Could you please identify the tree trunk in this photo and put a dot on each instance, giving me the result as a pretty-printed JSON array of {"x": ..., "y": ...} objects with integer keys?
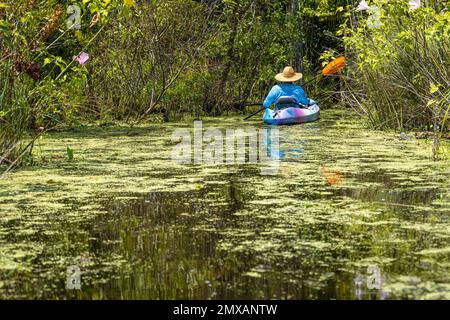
[{"x": 296, "y": 40}]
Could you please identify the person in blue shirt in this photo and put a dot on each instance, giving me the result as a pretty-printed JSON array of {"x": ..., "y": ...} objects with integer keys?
[{"x": 286, "y": 89}]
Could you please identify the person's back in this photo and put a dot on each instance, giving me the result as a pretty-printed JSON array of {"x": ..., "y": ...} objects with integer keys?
[{"x": 286, "y": 90}]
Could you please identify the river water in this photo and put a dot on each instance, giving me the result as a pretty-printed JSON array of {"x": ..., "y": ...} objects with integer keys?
[{"x": 349, "y": 213}]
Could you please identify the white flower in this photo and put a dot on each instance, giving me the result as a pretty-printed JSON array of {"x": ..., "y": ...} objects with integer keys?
[
  {"x": 414, "y": 4},
  {"x": 363, "y": 6},
  {"x": 374, "y": 19}
]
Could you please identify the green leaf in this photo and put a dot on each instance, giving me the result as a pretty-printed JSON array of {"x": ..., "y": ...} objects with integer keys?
[
  {"x": 93, "y": 8},
  {"x": 434, "y": 88},
  {"x": 69, "y": 153},
  {"x": 126, "y": 12},
  {"x": 128, "y": 3}
]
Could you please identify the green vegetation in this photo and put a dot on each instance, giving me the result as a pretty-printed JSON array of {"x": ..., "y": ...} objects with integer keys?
[
  {"x": 401, "y": 74},
  {"x": 91, "y": 91},
  {"x": 164, "y": 59}
]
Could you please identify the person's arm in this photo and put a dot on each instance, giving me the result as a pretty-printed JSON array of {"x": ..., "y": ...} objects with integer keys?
[
  {"x": 301, "y": 97},
  {"x": 271, "y": 97}
]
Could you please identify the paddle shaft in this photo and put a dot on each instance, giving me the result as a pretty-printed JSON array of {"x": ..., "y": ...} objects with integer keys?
[
  {"x": 313, "y": 79},
  {"x": 254, "y": 113},
  {"x": 334, "y": 71}
]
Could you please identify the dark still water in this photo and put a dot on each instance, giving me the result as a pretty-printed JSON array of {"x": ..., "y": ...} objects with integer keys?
[{"x": 351, "y": 214}]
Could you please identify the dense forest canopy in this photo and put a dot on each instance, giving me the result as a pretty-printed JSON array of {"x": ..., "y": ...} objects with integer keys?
[{"x": 65, "y": 62}]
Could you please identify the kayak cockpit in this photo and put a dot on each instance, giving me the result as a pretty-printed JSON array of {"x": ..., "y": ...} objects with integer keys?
[{"x": 290, "y": 112}]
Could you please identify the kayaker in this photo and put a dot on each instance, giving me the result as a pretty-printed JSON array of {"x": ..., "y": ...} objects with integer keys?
[{"x": 286, "y": 88}]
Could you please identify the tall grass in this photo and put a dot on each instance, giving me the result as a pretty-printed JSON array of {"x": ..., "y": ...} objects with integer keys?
[{"x": 400, "y": 78}]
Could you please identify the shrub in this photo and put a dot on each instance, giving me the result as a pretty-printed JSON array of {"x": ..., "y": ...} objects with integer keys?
[{"x": 400, "y": 74}]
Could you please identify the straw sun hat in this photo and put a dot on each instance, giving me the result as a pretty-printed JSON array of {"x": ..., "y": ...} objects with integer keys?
[{"x": 288, "y": 75}]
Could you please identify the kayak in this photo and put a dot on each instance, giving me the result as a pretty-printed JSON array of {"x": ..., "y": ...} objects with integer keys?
[{"x": 292, "y": 115}]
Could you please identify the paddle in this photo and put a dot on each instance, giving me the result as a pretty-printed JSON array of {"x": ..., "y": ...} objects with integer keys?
[
  {"x": 254, "y": 113},
  {"x": 330, "y": 69}
]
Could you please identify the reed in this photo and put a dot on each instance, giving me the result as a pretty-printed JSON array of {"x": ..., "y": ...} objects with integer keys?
[{"x": 400, "y": 74}]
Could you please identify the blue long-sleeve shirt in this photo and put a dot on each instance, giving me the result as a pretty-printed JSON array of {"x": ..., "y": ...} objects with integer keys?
[{"x": 286, "y": 90}]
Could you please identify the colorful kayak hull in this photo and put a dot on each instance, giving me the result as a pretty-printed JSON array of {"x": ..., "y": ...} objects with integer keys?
[{"x": 292, "y": 115}]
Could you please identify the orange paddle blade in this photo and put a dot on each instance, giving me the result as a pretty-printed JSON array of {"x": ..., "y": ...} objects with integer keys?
[{"x": 334, "y": 66}]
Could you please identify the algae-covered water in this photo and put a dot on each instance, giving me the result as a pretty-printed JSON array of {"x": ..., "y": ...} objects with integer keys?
[{"x": 350, "y": 214}]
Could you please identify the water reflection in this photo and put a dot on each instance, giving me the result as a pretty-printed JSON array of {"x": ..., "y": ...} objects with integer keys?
[
  {"x": 282, "y": 149},
  {"x": 173, "y": 244},
  {"x": 339, "y": 206}
]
